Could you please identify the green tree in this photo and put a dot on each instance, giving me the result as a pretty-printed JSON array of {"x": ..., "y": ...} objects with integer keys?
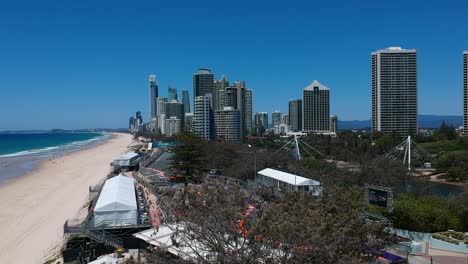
[
  {"x": 189, "y": 158},
  {"x": 423, "y": 214}
]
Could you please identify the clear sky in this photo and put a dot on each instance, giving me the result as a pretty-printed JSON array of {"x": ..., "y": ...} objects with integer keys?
[{"x": 85, "y": 64}]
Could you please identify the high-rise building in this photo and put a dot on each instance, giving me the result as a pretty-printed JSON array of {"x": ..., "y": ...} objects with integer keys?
[
  {"x": 465, "y": 92},
  {"x": 162, "y": 123},
  {"x": 172, "y": 93},
  {"x": 248, "y": 111},
  {"x": 203, "y": 83},
  {"x": 186, "y": 101},
  {"x": 285, "y": 119},
  {"x": 188, "y": 122},
  {"x": 175, "y": 109},
  {"x": 260, "y": 123},
  {"x": 228, "y": 124},
  {"x": 276, "y": 118},
  {"x": 394, "y": 91},
  {"x": 160, "y": 105},
  {"x": 295, "y": 115},
  {"x": 172, "y": 126},
  {"x": 203, "y": 123},
  {"x": 218, "y": 93},
  {"x": 235, "y": 97},
  {"x": 333, "y": 123},
  {"x": 316, "y": 108},
  {"x": 153, "y": 94}
]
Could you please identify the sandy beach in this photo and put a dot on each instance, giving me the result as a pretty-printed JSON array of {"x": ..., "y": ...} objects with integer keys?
[{"x": 33, "y": 208}]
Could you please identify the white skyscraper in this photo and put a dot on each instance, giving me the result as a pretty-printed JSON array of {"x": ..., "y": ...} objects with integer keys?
[
  {"x": 203, "y": 123},
  {"x": 395, "y": 91}
]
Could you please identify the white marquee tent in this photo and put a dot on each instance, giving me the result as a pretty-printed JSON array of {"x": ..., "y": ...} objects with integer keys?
[{"x": 116, "y": 205}]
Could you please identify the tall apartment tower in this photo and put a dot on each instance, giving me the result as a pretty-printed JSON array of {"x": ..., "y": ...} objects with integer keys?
[
  {"x": 203, "y": 123},
  {"x": 316, "y": 108},
  {"x": 248, "y": 111},
  {"x": 160, "y": 105},
  {"x": 172, "y": 93},
  {"x": 295, "y": 115},
  {"x": 276, "y": 117},
  {"x": 186, "y": 101},
  {"x": 260, "y": 123},
  {"x": 465, "y": 92},
  {"x": 153, "y": 94},
  {"x": 203, "y": 83},
  {"x": 395, "y": 91},
  {"x": 228, "y": 124},
  {"x": 235, "y": 97},
  {"x": 219, "y": 93},
  {"x": 175, "y": 109}
]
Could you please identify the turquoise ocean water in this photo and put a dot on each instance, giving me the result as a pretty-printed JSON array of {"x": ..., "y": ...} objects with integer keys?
[
  {"x": 18, "y": 144},
  {"x": 20, "y": 152}
]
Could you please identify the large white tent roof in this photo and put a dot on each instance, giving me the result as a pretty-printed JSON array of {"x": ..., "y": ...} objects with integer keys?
[
  {"x": 288, "y": 177},
  {"x": 118, "y": 193}
]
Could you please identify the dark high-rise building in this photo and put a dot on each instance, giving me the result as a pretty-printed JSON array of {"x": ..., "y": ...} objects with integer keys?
[
  {"x": 394, "y": 91},
  {"x": 228, "y": 124},
  {"x": 465, "y": 92},
  {"x": 172, "y": 93},
  {"x": 295, "y": 115},
  {"x": 186, "y": 101},
  {"x": 260, "y": 123},
  {"x": 153, "y": 94},
  {"x": 203, "y": 83},
  {"x": 219, "y": 93},
  {"x": 175, "y": 109},
  {"x": 316, "y": 108},
  {"x": 248, "y": 111}
]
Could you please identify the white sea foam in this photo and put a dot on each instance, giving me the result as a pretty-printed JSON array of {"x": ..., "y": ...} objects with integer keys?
[{"x": 75, "y": 145}]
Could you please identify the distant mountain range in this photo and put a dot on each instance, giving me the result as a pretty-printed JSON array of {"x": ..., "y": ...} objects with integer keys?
[{"x": 424, "y": 121}]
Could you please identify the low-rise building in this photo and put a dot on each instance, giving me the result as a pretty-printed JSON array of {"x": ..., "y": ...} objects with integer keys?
[{"x": 283, "y": 181}]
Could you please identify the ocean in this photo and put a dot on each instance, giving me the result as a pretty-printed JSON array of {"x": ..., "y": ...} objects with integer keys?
[{"x": 20, "y": 152}]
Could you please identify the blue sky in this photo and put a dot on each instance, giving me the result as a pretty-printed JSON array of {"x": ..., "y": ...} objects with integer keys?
[{"x": 84, "y": 64}]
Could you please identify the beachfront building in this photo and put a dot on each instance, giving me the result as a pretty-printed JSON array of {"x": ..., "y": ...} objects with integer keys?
[
  {"x": 203, "y": 117},
  {"x": 153, "y": 94},
  {"x": 295, "y": 115},
  {"x": 395, "y": 91},
  {"x": 128, "y": 161},
  {"x": 228, "y": 124},
  {"x": 316, "y": 108},
  {"x": 117, "y": 204},
  {"x": 283, "y": 181},
  {"x": 172, "y": 126}
]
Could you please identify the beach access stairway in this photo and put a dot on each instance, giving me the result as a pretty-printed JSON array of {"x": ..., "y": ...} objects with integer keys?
[{"x": 100, "y": 235}]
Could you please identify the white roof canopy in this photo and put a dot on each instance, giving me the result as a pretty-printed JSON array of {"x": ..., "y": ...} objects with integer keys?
[
  {"x": 288, "y": 178},
  {"x": 127, "y": 156},
  {"x": 118, "y": 194}
]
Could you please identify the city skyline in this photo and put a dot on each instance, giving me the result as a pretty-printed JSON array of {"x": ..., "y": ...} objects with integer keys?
[{"x": 104, "y": 64}]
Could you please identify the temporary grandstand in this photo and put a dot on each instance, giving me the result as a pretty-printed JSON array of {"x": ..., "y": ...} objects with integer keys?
[
  {"x": 283, "y": 181},
  {"x": 117, "y": 204},
  {"x": 128, "y": 161}
]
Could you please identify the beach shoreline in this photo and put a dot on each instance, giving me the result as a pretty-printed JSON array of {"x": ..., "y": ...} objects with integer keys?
[
  {"x": 14, "y": 167},
  {"x": 34, "y": 207}
]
